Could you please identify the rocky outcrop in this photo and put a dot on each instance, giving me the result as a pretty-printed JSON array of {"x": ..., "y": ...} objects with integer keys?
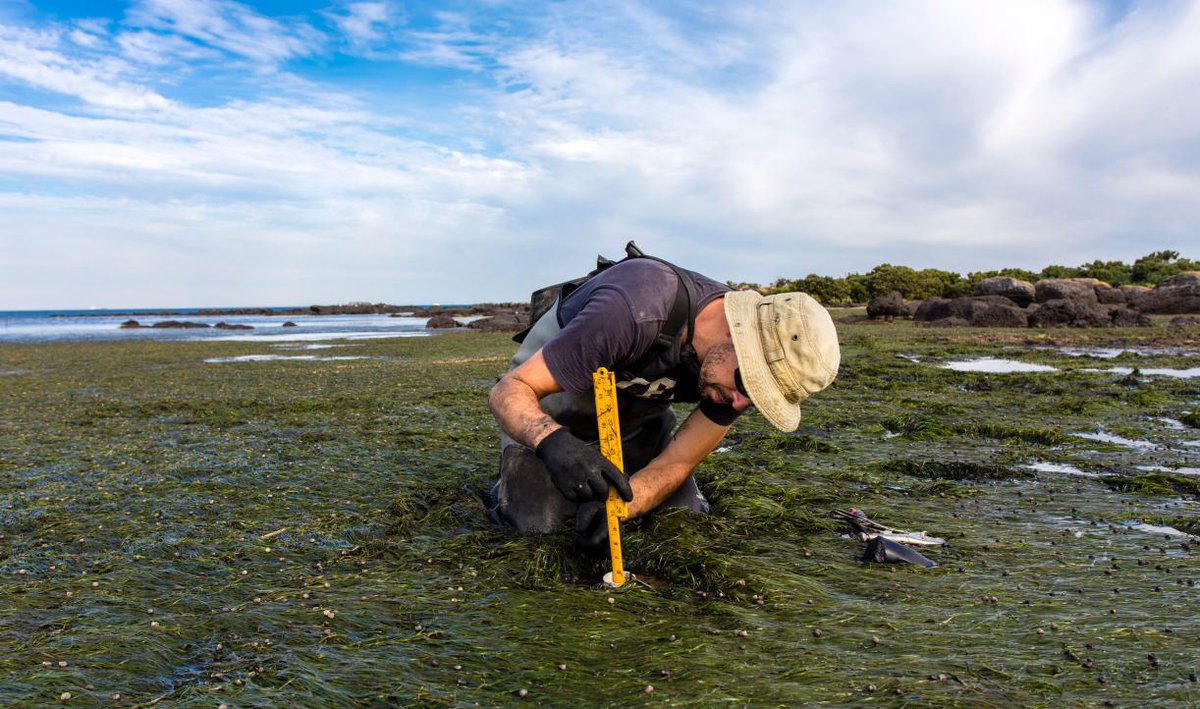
[
  {"x": 888, "y": 306},
  {"x": 1127, "y": 317},
  {"x": 976, "y": 311},
  {"x": 984, "y": 313},
  {"x": 950, "y": 322},
  {"x": 289, "y": 323},
  {"x": 933, "y": 309},
  {"x": 1081, "y": 302},
  {"x": 355, "y": 309},
  {"x": 179, "y": 324},
  {"x": 1019, "y": 292},
  {"x": 441, "y": 322},
  {"x": 1184, "y": 321},
  {"x": 501, "y": 322},
  {"x": 1134, "y": 295},
  {"x": 1064, "y": 312},
  {"x": 232, "y": 326},
  {"x": 1108, "y": 295},
  {"x": 1177, "y": 295},
  {"x": 1082, "y": 289}
]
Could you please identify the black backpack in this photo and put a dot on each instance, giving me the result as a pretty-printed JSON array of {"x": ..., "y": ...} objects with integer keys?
[{"x": 682, "y": 312}]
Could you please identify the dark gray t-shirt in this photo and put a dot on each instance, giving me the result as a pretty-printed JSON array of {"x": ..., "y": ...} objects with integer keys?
[{"x": 614, "y": 319}]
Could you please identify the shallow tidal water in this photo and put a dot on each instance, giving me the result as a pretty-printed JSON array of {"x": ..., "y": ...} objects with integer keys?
[{"x": 198, "y": 523}]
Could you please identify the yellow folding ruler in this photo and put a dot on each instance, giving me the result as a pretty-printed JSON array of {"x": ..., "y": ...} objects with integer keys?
[{"x": 605, "y": 384}]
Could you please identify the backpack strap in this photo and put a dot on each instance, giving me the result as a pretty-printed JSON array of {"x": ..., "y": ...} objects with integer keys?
[{"x": 682, "y": 311}]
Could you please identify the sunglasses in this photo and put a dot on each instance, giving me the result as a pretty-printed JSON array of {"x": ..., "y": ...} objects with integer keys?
[{"x": 737, "y": 382}]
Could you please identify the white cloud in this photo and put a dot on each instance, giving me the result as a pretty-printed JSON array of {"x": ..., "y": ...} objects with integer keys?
[
  {"x": 37, "y": 59},
  {"x": 230, "y": 26},
  {"x": 752, "y": 141},
  {"x": 367, "y": 23}
]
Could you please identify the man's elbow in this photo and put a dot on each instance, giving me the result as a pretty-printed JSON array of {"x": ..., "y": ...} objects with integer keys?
[{"x": 496, "y": 395}]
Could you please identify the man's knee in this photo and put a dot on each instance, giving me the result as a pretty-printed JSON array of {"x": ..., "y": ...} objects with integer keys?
[{"x": 525, "y": 497}]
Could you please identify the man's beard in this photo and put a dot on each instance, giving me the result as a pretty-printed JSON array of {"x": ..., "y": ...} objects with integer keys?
[{"x": 714, "y": 362}]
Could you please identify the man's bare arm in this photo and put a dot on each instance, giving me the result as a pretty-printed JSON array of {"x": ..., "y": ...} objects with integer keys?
[
  {"x": 652, "y": 485},
  {"x": 514, "y": 402}
]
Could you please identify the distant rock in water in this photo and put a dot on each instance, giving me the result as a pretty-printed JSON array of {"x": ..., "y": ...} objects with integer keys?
[
  {"x": 130, "y": 325},
  {"x": 501, "y": 322},
  {"x": 232, "y": 326},
  {"x": 355, "y": 309},
  {"x": 179, "y": 325},
  {"x": 289, "y": 323},
  {"x": 441, "y": 322}
]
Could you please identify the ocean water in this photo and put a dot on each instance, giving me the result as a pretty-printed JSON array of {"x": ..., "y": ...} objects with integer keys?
[{"x": 79, "y": 325}]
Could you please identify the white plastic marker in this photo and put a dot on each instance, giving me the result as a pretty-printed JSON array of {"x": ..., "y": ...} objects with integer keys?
[{"x": 607, "y": 421}]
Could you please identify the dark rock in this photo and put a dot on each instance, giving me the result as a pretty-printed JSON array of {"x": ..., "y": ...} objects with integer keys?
[
  {"x": 1082, "y": 289},
  {"x": 130, "y": 324},
  {"x": 887, "y": 306},
  {"x": 1070, "y": 313},
  {"x": 289, "y": 323},
  {"x": 441, "y": 322},
  {"x": 1016, "y": 290},
  {"x": 932, "y": 309},
  {"x": 949, "y": 322},
  {"x": 977, "y": 311},
  {"x": 501, "y": 322},
  {"x": 1179, "y": 294},
  {"x": 232, "y": 326},
  {"x": 1134, "y": 295},
  {"x": 1127, "y": 317},
  {"x": 987, "y": 314},
  {"x": 355, "y": 309},
  {"x": 1181, "y": 321},
  {"x": 179, "y": 324},
  {"x": 1107, "y": 295}
]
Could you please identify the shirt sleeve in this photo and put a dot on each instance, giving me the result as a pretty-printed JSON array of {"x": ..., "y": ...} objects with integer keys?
[{"x": 605, "y": 333}]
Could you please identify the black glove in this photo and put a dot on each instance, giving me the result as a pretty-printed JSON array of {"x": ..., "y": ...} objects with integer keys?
[
  {"x": 591, "y": 528},
  {"x": 579, "y": 471}
]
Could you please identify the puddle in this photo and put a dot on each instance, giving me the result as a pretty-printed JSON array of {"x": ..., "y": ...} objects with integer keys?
[
  {"x": 301, "y": 336},
  {"x": 1042, "y": 466},
  {"x": 1114, "y": 352},
  {"x": 992, "y": 365},
  {"x": 1173, "y": 424},
  {"x": 279, "y": 358},
  {"x": 1103, "y": 437},
  {"x": 1173, "y": 373},
  {"x": 1165, "y": 469},
  {"x": 909, "y": 357},
  {"x": 319, "y": 346},
  {"x": 1156, "y": 529}
]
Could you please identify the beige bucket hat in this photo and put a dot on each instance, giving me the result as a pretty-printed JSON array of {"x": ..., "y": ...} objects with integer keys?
[{"x": 787, "y": 350}]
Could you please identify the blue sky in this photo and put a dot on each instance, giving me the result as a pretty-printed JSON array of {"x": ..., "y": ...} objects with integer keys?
[{"x": 214, "y": 152}]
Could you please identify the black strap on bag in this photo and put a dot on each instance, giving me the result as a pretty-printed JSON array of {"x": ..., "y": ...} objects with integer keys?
[{"x": 683, "y": 311}]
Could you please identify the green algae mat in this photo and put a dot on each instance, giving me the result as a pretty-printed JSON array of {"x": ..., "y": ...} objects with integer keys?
[{"x": 223, "y": 523}]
